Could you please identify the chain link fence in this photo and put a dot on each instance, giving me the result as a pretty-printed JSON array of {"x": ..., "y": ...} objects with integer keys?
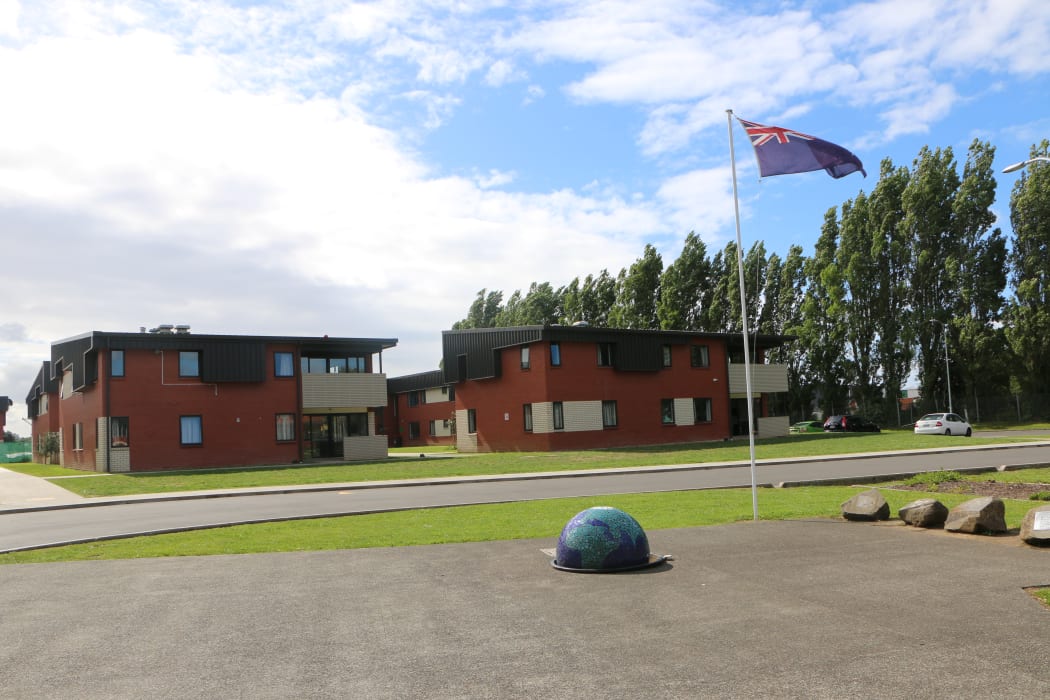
[{"x": 17, "y": 451}]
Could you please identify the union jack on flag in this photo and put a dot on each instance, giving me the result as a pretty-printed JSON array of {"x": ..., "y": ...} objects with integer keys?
[{"x": 781, "y": 151}]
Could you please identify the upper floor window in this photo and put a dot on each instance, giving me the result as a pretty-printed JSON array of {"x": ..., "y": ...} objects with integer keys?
[
  {"x": 699, "y": 356},
  {"x": 283, "y": 364},
  {"x": 665, "y": 355},
  {"x": 189, "y": 363},
  {"x": 525, "y": 357},
  {"x": 116, "y": 363},
  {"x": 555, "y": 355},
  {"x": 605, "y": 354}
]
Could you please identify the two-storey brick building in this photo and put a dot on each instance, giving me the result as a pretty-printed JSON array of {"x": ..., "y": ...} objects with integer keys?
[
  {"x": 169, "y": 399},
  {"x": 577, "y": 387},
  {"x": 420, "y": 410}
]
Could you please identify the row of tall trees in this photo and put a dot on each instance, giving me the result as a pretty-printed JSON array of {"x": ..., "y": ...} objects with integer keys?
[{"x": 894, "y": 275}]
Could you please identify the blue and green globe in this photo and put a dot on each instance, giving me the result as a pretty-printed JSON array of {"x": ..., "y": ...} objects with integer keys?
[{"x": 602, "y": 539}]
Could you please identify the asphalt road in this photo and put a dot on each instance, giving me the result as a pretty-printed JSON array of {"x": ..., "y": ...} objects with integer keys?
[{"x": 45, "y": 527}]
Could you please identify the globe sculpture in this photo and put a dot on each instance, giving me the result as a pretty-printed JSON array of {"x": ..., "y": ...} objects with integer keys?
[{"x": 603, "y": 539}]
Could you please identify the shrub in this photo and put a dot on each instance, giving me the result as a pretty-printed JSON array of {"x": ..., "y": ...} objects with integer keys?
[{"x": 933, "y": 478}]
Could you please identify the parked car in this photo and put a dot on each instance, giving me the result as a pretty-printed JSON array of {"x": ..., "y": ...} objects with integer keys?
[
  {"x": 943, "y": 424},
  {"x": 850, "y": 424},
  {"x": 807, "y": 426}
]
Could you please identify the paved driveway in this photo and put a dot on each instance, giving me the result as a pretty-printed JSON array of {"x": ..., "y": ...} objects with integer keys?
[{"x": 802, "y": 609}]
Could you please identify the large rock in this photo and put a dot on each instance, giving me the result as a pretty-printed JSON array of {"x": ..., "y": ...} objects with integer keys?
[
  {"x": 1035, "y": 528},
  {"x": 866, "y": 505},
  {"x": 979, "y": 515},
  {"x": 925, "y": 512}
]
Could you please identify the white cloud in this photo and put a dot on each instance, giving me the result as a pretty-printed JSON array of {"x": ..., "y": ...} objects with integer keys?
[{"x": 10, "y": 10}]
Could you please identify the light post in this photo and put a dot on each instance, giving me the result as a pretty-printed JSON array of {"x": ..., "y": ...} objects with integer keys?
[
  {"x": 1026, "y": 163},
  {"x": 947, "y": 370}
]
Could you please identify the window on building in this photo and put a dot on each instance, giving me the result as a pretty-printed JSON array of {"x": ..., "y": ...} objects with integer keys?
[
  {"x": 190, "y": 430},
  {"x": 189, "y": 363},
  {"x": 357, "y": 363},
  {"x": 432, "y": 428},
  {"x": 472, "y": 420},
  {"x": 451, "y": 393},
  {"x": 699, "y": 356},
  {"x": 285, "y": 427},
  {"x": 526, "y": 411},
  {"x": 555, "y": 354},
  {"x": 338, "y": 365},
  {"x": 558, "y": 415},
  {"x": 525, "y": 357},
  {"x": 413, "y": 430},
  {"x": 609, "y": 419},
  {"x": 667, "y": 411},
  {"x": 78, "y": 436},
  {"x": 413, "y": 398},
  {"x": 116, "y": 363},
  {"x": 118, "y": 432},
  {"x": 283, "y": 364},
  {"x": 702, "y": 410},
  {"x": 605, "y": 354},
  {"x": 357, "y": 424},
  {"x": 665, "y": 355}
]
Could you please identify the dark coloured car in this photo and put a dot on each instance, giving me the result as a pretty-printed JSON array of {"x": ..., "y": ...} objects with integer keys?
[{"x": 850, "y": 424}]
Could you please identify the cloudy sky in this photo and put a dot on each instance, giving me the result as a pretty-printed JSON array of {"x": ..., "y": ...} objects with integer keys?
[{"x": 362, "y": 169}]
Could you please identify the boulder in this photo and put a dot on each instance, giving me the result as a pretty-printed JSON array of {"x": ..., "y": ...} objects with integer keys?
[
  {"x": 866, "y": 505},
  {"x": 978, "y": 515},
  {"x": 1035, "y": 528},
  {"x": 925, "y": 512}
]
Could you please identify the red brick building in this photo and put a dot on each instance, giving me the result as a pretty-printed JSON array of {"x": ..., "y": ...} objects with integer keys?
[
  {"x": 169, "y": 399},
  {"x": 539, "y": 388},
  {"x": 420, "y": 410}
]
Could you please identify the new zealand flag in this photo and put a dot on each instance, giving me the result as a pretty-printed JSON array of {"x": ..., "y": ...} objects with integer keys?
[{"x": 782, "y": 151}]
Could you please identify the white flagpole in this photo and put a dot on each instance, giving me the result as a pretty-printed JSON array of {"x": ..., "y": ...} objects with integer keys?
[{"x": 743, "y": 324}]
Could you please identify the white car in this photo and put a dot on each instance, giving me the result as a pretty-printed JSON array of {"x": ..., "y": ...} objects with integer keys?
[{"x": 943, "y": 424}]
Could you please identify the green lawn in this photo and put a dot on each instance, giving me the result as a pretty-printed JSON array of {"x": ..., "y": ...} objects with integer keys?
[
  {"x": 410, "y": 466},
  {"x": 505, "y": 521}
]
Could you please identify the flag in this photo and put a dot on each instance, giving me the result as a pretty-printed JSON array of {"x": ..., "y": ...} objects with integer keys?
[{"x": 782, "y": 151}]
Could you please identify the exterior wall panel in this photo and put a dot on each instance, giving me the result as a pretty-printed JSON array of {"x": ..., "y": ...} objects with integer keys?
[{"x": 332, "y": 392}]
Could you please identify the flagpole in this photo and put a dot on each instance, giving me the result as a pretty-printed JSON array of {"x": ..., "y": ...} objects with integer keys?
[{"x": 743, "y": 324}]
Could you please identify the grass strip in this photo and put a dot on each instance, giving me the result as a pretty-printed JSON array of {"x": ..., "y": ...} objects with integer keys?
[
  {"x": 483, "y": 523},
  {"x": 413, "y": 467}
]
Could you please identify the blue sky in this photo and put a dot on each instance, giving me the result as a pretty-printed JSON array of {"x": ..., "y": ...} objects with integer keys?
[{"x": 363, "y": 169}]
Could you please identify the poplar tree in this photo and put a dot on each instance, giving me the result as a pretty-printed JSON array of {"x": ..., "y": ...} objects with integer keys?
[
  {"x": 1029, "y": 265},
  {"x": 685, "y": 287}
]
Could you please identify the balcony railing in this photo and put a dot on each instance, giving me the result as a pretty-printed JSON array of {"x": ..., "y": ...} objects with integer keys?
[
  {"x": 765, "y": 379},
  {"x": 345, "y": 390}
]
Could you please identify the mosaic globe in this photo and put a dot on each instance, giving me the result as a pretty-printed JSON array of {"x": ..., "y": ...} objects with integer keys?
[{"x": 603, "y": 539}]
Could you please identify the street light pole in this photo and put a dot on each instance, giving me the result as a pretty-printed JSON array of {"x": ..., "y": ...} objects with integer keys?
[
  {"x": 947, "y": 369},
  {"x": 1026, "y": 163}
]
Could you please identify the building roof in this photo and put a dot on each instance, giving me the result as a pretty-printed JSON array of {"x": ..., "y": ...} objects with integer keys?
[{"x": 415, "y": 382}]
